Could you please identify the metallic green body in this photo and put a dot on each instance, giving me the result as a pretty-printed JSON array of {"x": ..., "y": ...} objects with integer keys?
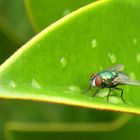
[{"x": 107, "y": 76}]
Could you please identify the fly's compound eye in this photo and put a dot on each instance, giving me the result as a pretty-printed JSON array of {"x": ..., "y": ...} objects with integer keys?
[{"x": 98, "y": 81}]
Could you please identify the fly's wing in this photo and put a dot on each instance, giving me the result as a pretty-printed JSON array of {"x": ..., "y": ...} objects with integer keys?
[
  {"x": 125, "y": 80},
  {"x": 118, "y": 67}
]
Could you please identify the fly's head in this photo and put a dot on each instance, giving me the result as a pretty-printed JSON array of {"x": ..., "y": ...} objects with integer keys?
[{"x": 95, "y": 80}]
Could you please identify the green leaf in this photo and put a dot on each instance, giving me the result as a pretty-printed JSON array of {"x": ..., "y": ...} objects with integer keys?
[
  {"x": 55, "y": 66},
  {"x": 50, "y": 11}
]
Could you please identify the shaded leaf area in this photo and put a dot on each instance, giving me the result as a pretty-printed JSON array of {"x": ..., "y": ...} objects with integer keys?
[
  {"x": 55, "y": 65},
  {"x": 46, "y": 15},
  {"x": 131, "y": 128},
  {"x": 14, "y": 22},
  {"x": 27, "y": 111},
  {"x": 31, "y": 112}
]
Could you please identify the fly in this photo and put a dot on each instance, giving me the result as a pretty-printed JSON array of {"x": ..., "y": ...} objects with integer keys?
[{"x": 111, "y": 78}]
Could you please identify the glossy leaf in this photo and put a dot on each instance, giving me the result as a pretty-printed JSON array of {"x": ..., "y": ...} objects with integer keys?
[{"x": 55, "y": 66}]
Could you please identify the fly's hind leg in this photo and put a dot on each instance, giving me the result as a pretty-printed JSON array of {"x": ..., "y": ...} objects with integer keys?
[
  {"x": 121, "y": 93},
  {"x": 109, "y": 94}
]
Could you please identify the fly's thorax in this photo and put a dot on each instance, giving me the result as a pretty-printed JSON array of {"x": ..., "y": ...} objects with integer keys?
[{"x": 107, "y": 75}]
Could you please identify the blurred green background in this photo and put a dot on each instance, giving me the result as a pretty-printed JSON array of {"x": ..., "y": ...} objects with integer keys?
[{"x": 17, "y": 26}]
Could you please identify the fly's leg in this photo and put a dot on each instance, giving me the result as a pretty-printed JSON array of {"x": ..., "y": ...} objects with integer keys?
[
  {"x": 109, "y": 94},
  {"x": 121, "y": 93},
  {"x": 96, "y": 92},
  {"x": 89, "y": 88}
]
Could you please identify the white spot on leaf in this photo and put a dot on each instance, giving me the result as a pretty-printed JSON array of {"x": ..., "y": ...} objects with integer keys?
[
  {"x": 134, "y": 41},
  {"x": 115, "y": 100},
  {"x": 138, "y": 57},
  {"x": 112, "y": 57},
  {"x": 63, "y": 62},
  {"x": 73, "y": 89},
  {"x": 35, "y": 84},
  {"x": 94, "y": 43},
  {"x": 12, "y": 84},
  {"x": 66, "y": 12}
]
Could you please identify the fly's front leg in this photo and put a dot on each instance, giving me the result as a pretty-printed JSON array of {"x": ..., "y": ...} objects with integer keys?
[
  {"x": 89, "y": 88},
  {"x": 96, "y": 92}
]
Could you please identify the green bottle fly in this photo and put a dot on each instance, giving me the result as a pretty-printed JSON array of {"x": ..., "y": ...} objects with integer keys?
[{"x": 111, "y": 78}]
